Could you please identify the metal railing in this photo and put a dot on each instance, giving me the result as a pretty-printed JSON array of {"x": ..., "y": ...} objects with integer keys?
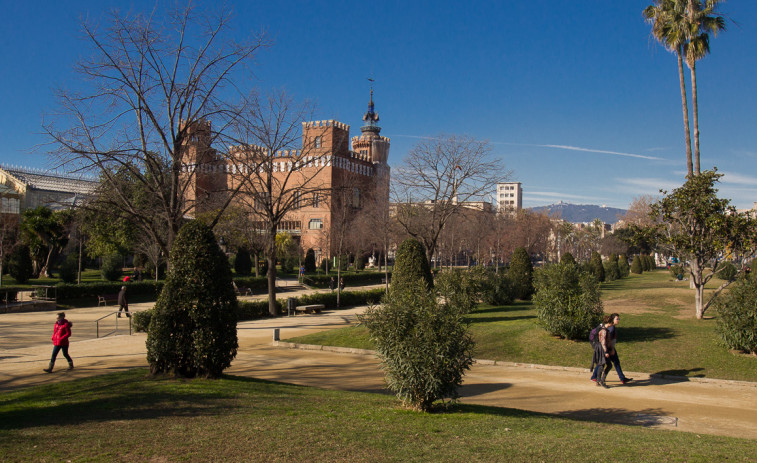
[{"x": 115, "y": 314}]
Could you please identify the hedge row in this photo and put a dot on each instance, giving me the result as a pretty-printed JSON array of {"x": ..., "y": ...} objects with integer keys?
[
  {"x": 259, "y": 309},
  {"x": 350, "y": 279},
  {"x": 68, "y": 291}
]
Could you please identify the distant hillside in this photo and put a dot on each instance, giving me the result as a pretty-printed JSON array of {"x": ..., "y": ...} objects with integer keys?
[{"x": 578, "y": 213}]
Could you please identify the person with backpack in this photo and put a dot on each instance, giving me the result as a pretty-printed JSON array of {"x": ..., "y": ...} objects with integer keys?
[
  {"x": 610, "y": 333},
  {"x": 601, "y": 358}
]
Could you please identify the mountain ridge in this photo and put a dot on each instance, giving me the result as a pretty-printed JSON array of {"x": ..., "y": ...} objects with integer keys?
[{"x": 581, "y": 213}]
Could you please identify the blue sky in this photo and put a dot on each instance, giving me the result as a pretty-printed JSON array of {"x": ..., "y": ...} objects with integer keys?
[{"x": 575, "y": 97}]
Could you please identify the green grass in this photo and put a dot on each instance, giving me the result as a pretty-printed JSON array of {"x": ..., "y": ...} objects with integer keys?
[
  {"x": 132, "y": 417},
  {"x": 658, "y": 333}
]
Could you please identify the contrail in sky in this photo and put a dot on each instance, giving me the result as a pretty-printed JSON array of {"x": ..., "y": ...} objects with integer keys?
[{"x": 560, "y": 147}]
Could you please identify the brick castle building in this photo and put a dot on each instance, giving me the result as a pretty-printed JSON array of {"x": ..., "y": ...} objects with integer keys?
[{"x": 325, "y": 179}]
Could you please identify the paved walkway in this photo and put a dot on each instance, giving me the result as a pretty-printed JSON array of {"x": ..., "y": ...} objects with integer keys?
[{"x": 718, "y": 407}]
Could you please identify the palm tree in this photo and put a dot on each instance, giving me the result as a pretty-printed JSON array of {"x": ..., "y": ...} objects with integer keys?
[
  {"x": 701, "y": 20},
  {"x": 683, "y": 27},
  {"x": 667, "y": 20}
]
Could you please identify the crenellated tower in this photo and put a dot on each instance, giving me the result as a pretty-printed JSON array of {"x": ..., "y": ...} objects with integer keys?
[
  {"x": 374, "y": 147},
  {"x": 202, "y": 167}
]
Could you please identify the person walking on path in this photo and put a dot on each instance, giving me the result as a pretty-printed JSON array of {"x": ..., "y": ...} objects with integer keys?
[
  {"x": 341, "y": 284},
  {"x": 123, "y": 303},
  {"x": 61, "y": 333},
  {"x": 612, "y": 339},
  {"x": 602, "y": 353},
  {"x": 332, "y": 284}
]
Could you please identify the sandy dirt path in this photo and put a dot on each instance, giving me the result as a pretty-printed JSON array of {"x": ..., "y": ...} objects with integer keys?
[{"x": 715, "y": 407}]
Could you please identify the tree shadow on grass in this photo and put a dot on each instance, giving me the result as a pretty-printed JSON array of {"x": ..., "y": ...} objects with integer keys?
[
  {"x": 679, "y": 375},
  {"x": 515, "y": 306},
  {"x": 500, "y": 319},
  {"x": 642, "y": 334}
]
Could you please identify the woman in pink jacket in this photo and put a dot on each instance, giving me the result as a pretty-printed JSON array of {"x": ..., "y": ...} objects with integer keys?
[{"x": 61, "y": 333}]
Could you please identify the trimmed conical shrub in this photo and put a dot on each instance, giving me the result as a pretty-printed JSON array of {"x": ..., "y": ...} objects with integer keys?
[
  {"x": 410, "y": 265},
  {"x": 193, "y": 331},
  {"x": 310, "y": 261},
  {"x": 568, "y": 258},
  {"x": 521, "y": 274},
  {"x": 597, "y": 268},
  {"x": 243, "y": 263},
  {"x": 636, "y": 266}
]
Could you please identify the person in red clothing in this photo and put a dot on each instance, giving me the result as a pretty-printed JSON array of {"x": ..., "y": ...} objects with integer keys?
[{"x": 61, "y": 333}]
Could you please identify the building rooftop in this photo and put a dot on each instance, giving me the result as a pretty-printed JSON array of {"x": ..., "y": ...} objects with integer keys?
[{"x": 52, "y": 181}]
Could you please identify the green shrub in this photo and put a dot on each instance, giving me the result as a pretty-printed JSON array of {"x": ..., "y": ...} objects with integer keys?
[
  {"x": 111, "y": 267},
  {"x": 567, "y": 258},
  {"x": 728, "y": 271},
  {"x": 645, "y": 263},
  {"x": 462, "y": 288},
  {"x": 623, "y": 266},
  {"x": 242, "y": 262},
  {"x": 612, "y": 271},
  {"x": 69, "y": 269},
  {"x": 20, "y": 265},
  {"x": 410, "y": 265},
  {"x": 597, "y": 267},
  {"x": 676, "y": 270},
  {"x": 567, "y": 301},
  {"x": 737, "y": 315},
  {"x": 500, "y": 290},
  {"x": 193, "y": 329},
  {"x": 360, "y": 263},
  {"x": 636, "y": 266},
  {"x": 424, "y": 345},
  {"x": 140, "y": 320},
  {"x": 310, "y": 261},
  {"x": 521, "y": 274}
]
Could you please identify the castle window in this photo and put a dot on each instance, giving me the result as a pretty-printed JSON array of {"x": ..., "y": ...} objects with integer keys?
[
  {"x": 356, "y": 197},
  {"x": 316, "y": 200},
  {"x": 297, "y": 203},
  {"x": 317, "y": 142},
  {"x": 315, "y": 224}
]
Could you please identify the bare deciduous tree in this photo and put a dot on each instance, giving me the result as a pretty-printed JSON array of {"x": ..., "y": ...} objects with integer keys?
[
  {"x": 276, "y": 168},
  {"x": 152, "y": 80},
  {"x": 435, "y": 180}
]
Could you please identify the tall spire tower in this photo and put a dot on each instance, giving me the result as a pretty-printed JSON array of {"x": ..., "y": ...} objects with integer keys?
[{"x": 369, "y": 143}]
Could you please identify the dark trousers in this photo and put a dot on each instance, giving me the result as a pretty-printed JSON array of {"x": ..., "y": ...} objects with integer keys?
[
  {"x": 614, "y": 361},
  {"x": 57, "y": 349},
  {"x": 125, "y": 308}
]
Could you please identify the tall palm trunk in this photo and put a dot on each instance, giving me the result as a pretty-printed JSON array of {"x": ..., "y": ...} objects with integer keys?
[
  {"x": 695, "y": 113},
  {"x": 684, "y": 104}
]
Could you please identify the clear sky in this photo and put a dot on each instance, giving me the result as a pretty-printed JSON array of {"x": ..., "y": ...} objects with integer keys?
[{"x": 575, "y": 97}]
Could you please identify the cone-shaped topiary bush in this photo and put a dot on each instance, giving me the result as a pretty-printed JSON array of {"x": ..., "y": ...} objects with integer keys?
[
  {"x": 193, "y": 330},
  {"x": 20, "y": 265},
  {"x": 410, "y": 265},
  {"x": 623, "y": 266},
  {"x": 567, "y": 258},
  {"x": 636, "y": 266},
  {"x": 597, "y": 268},
  {"x": 521, "y": 274},
  {"x": 310, "y": 261},
  {"x": 242, "y": 262}
]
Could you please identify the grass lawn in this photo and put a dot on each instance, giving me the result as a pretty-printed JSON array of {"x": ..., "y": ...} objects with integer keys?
[
  {"x": 658, "y": 333},
  {"x": 132, "y": 417}
]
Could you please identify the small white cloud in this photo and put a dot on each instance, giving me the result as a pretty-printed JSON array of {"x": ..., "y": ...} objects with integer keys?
[{"x": 740, "y": 179}]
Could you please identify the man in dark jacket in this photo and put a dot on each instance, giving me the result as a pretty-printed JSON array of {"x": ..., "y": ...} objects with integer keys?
[
  {"x": 123, "y": 304},
  {"x": 61, "y": 333}
]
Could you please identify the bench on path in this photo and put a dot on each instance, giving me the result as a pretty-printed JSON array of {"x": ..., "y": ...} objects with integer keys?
[
  {"x": 243, "y": 291},
  {"x": 103, "y": 299},
  {"x": 311, "y": 308}
]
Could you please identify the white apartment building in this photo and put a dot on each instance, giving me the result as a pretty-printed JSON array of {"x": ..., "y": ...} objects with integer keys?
[{"x": 509, "y": 196}]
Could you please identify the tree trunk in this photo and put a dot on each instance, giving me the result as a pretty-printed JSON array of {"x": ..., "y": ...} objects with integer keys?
[
  {"x": 699, "y": 300},
  {"x": 272, "y": 309},
  {"x": 685, "y": 105},
  {"x": 695, "y": 113}
]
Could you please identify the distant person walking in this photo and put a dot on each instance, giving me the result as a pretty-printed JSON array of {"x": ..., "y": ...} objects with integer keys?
[
  {"x": 332, "y": 284},
  {"x": 601, "y": 356},
  {"x": 123, "y": 303},
  {"x": 341, "y": 284},
  {"x": 61, "y": 333}
]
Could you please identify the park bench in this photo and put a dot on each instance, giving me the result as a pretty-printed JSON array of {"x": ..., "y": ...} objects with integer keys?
[
  {"x": 311, "y": 308},
  {"x": 243, "y": 291},
  {"x": 103, "y": 299}
]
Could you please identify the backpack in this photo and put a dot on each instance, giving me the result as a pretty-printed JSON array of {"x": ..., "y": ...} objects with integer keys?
[{"x": 594, "y": 335}]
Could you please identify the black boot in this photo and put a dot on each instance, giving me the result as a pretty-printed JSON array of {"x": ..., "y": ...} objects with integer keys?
[
  {"x": 603, "y": 379},
  {"x": 70, "y": 364},
  {"x": 49, "y": 369}
]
